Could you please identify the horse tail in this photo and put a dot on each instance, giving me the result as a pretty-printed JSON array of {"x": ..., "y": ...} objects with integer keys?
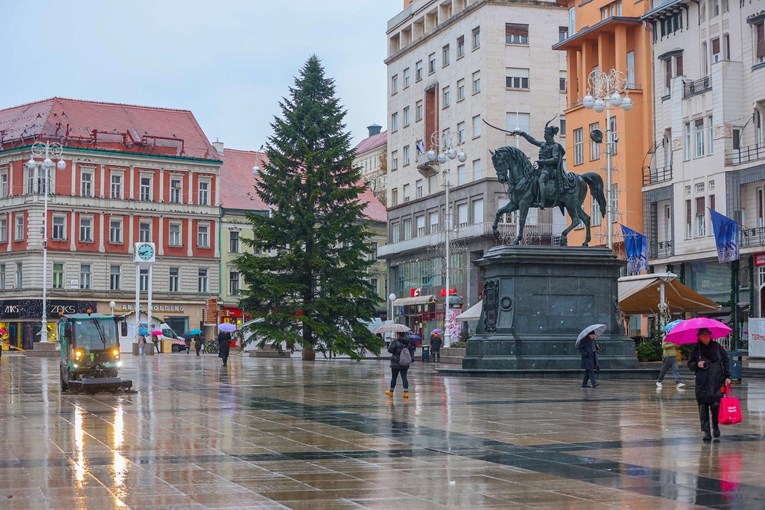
[{"x": 595, "y": 182}]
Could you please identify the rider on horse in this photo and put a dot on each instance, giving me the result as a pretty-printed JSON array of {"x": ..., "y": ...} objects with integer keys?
[{"x": 550, "y": 163}]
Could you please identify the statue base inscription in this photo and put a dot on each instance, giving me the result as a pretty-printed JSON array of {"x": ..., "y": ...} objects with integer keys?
[{"x": 536, "y": 300}]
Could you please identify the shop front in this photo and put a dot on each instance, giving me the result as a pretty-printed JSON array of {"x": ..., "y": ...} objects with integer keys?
[
  {"x": 21, "y": 319},
  {"x": 180, "y": 317}
]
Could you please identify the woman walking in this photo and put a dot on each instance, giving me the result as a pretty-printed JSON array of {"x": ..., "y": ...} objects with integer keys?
[
  {"x": 224, "y": 344},
  {"x": 709, "y": 361},
  {"x": 399, "y": 364},
  {"x": 588, "y": 350}
]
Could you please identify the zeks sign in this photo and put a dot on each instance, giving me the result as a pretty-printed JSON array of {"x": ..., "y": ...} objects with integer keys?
[{"x": 32, "y": 308}]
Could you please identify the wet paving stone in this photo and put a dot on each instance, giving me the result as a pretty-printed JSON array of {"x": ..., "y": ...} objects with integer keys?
[{"x": 283, "y": 434}]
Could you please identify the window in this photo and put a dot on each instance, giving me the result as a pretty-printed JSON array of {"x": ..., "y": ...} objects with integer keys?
[
  {"x": 233, "y": 283},
  {"x": 687, "y": 131},
  {"x": 2, "y": 276},
  {"x": 395, "y": 232},
  {"x": 407, "y": 78},
  {"x": 394, "y": 161},
  {"x": 433, "y": 222},
  {"x": 445, "y": 97},
  {"x": 699, "y": 135},
  {"x": 715, "y": 49},
  {"x": 394, "y": 122},
  {"x": 202, "y": 280},
  {"x": 462, "y": 215},
  {"x": 476, "y": 169},
  {"x": 611, "y": 10},
  {"x": 115, "y": 231},
  {"x": 58, "y": 232},
  {"x": 631, "y": 69},
  {"x": 594, "y": 147},
  {"x": 116, "y": 186},
  {"x": 668, "y": 77},
  {"x": 174, "y": 238},
  {"x": 445, "y": 56},
  {"x": 204, "y": 193},
  {"x": 725, "y": 6},
  {"x": 516, "y": 33},
  {"x": 711, "y": 136},
  {"x": 418, "y": 71},
  {"x": 203, "y": 235},
  {"x": 715, "y": 8},
  {"x": 578, "y": 146},
  {"x": 143, "y": 280},
  {"x": 572, "y": 21},
  {"x": 476, "y": 126},
  {"x": 563, "y": 126},
  {"x": 460, "y": 133},
  {"x": 679, "y": 66},
  {"x": 115, "y": 273},
  {"x": 460, "y": 90},
  {"x": 394, "y": 84},
  {"x": 58, "y": 275},
  {"x": 418, "y": 188},
  {"x": 612, "y": 127},
  {"x": 700, "y": 217},
  {"x": 233, "y": 241},
  {"x": 406, "y": 229},
  {"x": 431, "y": 63},
  {"x": 405, "y": 192},
  {"x": 432, "y": 184},
  {"x": 3, "y": 230},
  {"x": 86, "y": 230},
  {"x": 759, "y": 37},
  {"x": 704, "y": 59},
  {"x": 144, "y": 231},
  {"x": 84, "y": 276},
  {"x": 175, "y": 280},
  {"x": 86, "y": 184},
  {"x": 478, "y": 211},
  {"x": 517, "y": 78},
  {"x": 420, "y": 225},
  {"x": 19, "y": 275},
  {"x": 517, "y": 121},
  {"x": 476, "y": 38},
  {"x": 418, "y": 111},
  {"x": 407, "y": 116},
  {"x": 460, "y": 47},
  {"x": 3, "y": 184},
  {"x": 461, "y": 177},
  {"x": 726, "y": 46},
  {"x": 145, "y": 189},
  {"x": 476, "y": 82},
  {"x": 595, "y": 217},
  {"x": 176, "y": 190},
  {"x": 562, "y": 82},
  {"x": 562, "y": 33},
  {"x": 19, "y": 227},
  {"x": 405, "y": 155}
]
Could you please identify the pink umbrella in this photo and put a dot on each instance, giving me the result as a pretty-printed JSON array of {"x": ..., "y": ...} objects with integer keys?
[
  {"x": 157, "y": 332},
  {"x": 687, "y": 331}
]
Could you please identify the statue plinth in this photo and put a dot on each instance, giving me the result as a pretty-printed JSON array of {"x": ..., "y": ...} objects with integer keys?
[{"x": 536, "y": 300}]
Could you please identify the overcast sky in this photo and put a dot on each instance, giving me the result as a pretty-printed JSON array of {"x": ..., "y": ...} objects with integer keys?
[{"x": 228, "y": 61}]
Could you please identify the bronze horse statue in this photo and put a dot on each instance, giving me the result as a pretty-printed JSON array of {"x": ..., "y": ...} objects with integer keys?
[{"x": 515, "y": 170}]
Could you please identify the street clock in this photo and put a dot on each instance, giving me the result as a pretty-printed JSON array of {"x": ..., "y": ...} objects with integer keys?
[{"x": 145, "y": 253}]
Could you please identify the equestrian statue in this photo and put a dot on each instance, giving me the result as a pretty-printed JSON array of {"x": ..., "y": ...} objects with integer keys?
[{"x": 544, "y": 184}]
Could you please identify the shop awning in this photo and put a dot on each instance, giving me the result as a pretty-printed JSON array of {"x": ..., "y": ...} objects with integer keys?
[
  {"x": 417, "y": 300},
  {"x": 471, "y": 314},
  {"x": 640, "y": 295}
]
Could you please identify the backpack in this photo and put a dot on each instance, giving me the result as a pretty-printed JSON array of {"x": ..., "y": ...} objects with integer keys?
[{"x": 405, "y": 358}]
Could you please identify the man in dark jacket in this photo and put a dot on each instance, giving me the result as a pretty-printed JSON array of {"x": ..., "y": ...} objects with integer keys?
[
  {"x": 588, "y": 349},
  {"x": 435, "y": 347},
  {"x": 709, "y": 361},
  {"x": 401, "y": 342},
  {"x": 224, "y": 344}
]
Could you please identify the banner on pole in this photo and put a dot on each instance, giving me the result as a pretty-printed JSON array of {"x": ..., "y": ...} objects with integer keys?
[
  {"x": 726, "y": 237},
  {"x": 636, "y": 247}
]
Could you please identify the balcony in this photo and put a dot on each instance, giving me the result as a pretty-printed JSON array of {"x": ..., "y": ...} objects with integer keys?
[
  {"x": 694, "y": 88},
  {"x": 656, "y": 175},
  {"x": 660, "y": 250},
  {"x": 744, "y": 155},
  {"x": 749, "y": 237}
]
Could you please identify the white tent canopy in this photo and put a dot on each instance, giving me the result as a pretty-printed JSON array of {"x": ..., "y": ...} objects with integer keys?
[{"x": 471, "y": 314}]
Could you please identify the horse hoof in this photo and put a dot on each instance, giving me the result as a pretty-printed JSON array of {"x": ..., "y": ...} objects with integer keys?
[{"x": 585, "y": 244}]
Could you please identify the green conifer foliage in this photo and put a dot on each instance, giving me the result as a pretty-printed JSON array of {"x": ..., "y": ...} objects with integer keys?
[{"x": 310, "y": 284}]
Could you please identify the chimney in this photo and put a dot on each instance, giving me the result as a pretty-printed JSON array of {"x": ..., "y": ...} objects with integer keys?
[
  {"x": 218, "y": 146},
  {"x": 374, "y": 129}
]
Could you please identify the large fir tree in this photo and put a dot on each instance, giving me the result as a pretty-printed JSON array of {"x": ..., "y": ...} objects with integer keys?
[{"x": 311, "y": 288}]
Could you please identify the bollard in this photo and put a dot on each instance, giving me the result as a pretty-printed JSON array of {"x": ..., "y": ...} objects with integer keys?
[
  {"x": 736, "y": 364},
  {"x": 425, "y": 353}
]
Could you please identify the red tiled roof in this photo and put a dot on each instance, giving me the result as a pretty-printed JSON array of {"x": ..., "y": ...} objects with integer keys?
[
  {"x": 237, "y": 181},
  {"x": 109, "y": 126},
  {"x": 372, "y": 142},
  {"x": 374, "y": 210}
]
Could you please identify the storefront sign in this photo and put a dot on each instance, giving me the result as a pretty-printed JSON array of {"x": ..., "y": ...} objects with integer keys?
[
  {"x": 32, "y": 308},
  {"x": 124, "y": 307},
  {"x": 759, "y": 259}
]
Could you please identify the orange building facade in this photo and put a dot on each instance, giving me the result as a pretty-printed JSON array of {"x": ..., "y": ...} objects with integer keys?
[{"x": 605, "y": 35}]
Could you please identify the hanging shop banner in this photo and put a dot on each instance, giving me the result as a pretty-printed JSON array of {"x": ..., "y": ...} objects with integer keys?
[{"x": 32, "y": 308}]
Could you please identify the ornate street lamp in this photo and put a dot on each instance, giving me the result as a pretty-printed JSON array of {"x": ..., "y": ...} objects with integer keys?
[
  {"x": 604, "y": 91},
  {"x": 445, "y": 144},
  {"x": 47, "y": 151}
]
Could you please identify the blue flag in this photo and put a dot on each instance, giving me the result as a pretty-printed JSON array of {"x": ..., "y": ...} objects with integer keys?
[
  {"x": 726, "y": 237},
  {"x": 636, "y": 246}
]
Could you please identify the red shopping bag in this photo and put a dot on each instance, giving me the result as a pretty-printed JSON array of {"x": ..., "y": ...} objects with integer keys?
[{"x": 730, "y": 409}]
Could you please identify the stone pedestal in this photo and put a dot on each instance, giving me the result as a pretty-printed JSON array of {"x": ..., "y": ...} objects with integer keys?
[
  {"x": 44, "y": 350},
  {"x": 536, "y": 300},
  {"x": 268, "y": 352}
]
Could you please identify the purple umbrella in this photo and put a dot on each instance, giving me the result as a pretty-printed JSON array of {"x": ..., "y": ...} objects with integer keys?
[{"x": 226, "y": 327}]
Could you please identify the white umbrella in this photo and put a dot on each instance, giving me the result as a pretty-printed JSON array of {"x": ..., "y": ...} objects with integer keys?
[
  {"x": 392, "y": 328},
  {"x": 598, "y": 329}
]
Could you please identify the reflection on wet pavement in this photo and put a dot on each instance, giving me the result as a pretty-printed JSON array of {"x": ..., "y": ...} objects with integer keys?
[{"x": 281, "y": 433}]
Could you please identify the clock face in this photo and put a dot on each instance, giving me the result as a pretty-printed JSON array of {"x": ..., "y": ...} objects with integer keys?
[{"x": 145, "y": 252}]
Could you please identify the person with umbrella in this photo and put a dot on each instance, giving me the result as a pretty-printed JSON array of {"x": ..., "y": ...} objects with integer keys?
[
  {"x": 709, "y": 361},
  {"x": 399, "y": 364},
  {"x": 224, "y": 340},
  {"x": 435, "y": 345},
  {"x": 588, "y": 348},
  {"x": 669, "y": 358}
]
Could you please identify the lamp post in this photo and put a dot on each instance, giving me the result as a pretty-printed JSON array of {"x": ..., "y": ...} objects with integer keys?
[
  {"x": 112, "y": 304},
  {"x": 46, "y": 151},
  {"x": 446, "y": 151},
  {"x": 604, "y": 91}
]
